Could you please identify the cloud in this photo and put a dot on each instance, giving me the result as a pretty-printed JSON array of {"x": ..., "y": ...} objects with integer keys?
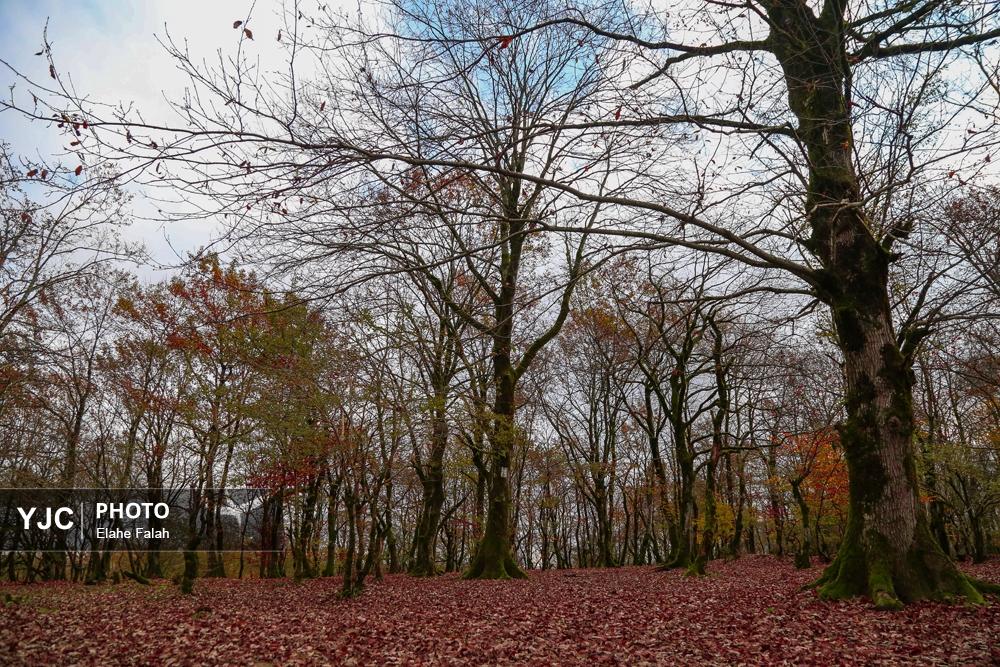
[{"x": 111, "y": 51}]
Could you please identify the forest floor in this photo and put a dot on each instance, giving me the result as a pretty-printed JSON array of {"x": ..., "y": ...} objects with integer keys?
[{"x": 751, "y": 611}]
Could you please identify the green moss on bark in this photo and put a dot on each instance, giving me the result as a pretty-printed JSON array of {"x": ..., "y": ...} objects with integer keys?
[{"x": 494, "y": 560}]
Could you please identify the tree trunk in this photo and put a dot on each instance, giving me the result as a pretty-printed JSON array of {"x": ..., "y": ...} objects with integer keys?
[
  {"x": 333, "y": 496},
  {"x": 302, "y": 567},
  {"x": 888, "y": 552},
  {"x": 682, "y": 542},
  {"x": 604, "y": 552},
  {"x": 736, "y": 543},
  {"x": 191, "y": 546},
  {"x": 494, "y": 556},
  {"x": 271, "y": 554},
  {"x": 805, "y": 548},
  {"x": 978, "y": 537},
  {"x": 432, "y": 479},
  {"x": 348, "y": 588}
]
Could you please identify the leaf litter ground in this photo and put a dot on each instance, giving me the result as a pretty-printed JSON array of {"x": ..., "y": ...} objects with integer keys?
[{"x": 751, "y": 611}]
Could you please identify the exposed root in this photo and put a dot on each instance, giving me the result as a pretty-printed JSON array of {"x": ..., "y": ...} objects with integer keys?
[
  {"x": 924, "y": 573},
  {"x": 492, "y": 562}
]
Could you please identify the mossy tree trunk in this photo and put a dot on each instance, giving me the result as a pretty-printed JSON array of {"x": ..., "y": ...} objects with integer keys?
[
  {"x": 302, "y": 565},
  {"x": 349, "y": 586},
  {"x": 605, "y": 553},
  {"x": 428, "y": 521},
  {"x": 153, "y": 567},
  {"x": 887, "y": 552},
  {"x": 683, "y": 548},
  {"x": 735, "y": 544},
  {"x": 431, "y": 474},
  {"x": 271, "y": 532},
  {"x": 709, "y": 523},
  {"x": 494, "y": 556}
]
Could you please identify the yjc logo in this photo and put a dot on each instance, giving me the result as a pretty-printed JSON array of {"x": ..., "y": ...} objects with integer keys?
[{"x": 51, "y": 517}]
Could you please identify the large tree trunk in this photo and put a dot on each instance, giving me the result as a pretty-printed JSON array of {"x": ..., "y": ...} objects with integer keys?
[
  {"x": 659, "y": 470},
  {"x": 271, "y": 530},
  {"x": 736, "y": 542},
  {"x": 348, "y": 588},
  {"x": 302, "y": 565},
  {"x": 494, "y": 557},
  {"x": 332, "y": 499},
  {"x": 190, "y": 571},
  {"x": 719, "y": 415},
  {"x": 887, "y": 552}
]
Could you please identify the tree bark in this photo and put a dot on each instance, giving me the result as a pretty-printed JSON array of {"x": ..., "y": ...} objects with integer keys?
[
  {"x": 887, "y": 552},
  {"x": 802, "y": 558},
  {"x": 494, "y": 556},
  {"x": 432, "y": 480}
]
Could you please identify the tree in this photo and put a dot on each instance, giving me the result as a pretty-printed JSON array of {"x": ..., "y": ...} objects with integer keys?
[
  {"x": 888, "y": 551},
  {"x": 821, "y": 155},
  {"x": 220, "y": 309}
]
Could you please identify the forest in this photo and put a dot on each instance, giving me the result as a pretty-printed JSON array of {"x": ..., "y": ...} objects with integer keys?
[{"x": 686, "y": 314}]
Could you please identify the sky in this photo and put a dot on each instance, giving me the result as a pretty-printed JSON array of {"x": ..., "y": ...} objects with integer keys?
[{"x": 110, "y": 50}]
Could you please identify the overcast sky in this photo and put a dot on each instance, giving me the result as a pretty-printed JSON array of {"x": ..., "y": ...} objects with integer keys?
[{"x": 109, "y": 49}]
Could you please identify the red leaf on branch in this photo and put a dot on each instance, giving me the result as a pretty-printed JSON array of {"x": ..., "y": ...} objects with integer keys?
[
  {"x": 246, "y": 31},
  {"x": 618, "y": 112},
  {"x": 505, "y": 42},
  {"x": 237, "y": 24},
  {"x": 32, "y": 173},
  {"x": 78, "y": 170}
]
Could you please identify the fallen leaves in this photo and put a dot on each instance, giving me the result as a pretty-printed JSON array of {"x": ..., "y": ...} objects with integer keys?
[{"x": 747, "y": 612}]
